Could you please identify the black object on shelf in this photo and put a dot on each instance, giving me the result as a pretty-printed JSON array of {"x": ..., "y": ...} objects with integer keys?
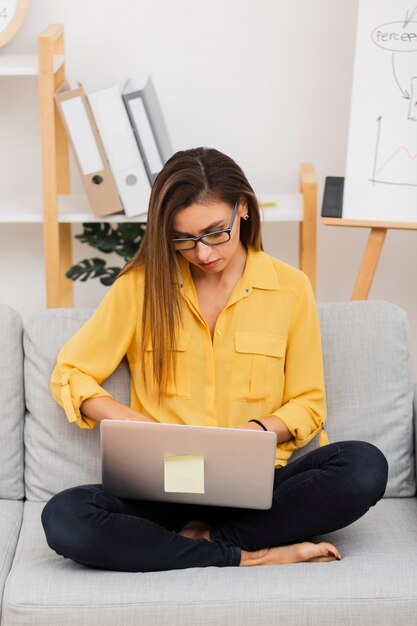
[{"x": 333, "y": 197}]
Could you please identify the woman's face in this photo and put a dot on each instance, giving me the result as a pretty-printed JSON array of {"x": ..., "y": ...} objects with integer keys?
[{"x": 198, "y": 219}]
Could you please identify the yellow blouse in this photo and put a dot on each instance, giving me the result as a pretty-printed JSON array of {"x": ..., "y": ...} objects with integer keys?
[{"x": 265, "y": 358}]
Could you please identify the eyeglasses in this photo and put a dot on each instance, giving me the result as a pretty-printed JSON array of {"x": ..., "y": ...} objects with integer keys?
[{"x": 209, "y": 239}]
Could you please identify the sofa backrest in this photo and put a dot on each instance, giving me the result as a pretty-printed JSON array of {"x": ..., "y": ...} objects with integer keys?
[
  {"x": 366, "y": 351},
  {"x": 415, "y": 426},
  {"x": 58, "y": 454},
  {"x": 369, "y": 383},
  {"x": 12, "y": 404}
]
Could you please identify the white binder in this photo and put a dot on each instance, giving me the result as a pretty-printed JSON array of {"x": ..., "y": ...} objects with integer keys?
[
  {"x": 88, "y": 149},
  {"x": 122, "y": 150},
  {"x": 148, "y": 125}
]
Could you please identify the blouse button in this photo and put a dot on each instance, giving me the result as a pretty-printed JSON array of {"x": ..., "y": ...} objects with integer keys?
[{"x": 218, "y": 331}]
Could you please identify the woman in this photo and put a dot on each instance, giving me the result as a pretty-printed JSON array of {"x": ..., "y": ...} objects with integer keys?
[{"x": 217, "y": 333}]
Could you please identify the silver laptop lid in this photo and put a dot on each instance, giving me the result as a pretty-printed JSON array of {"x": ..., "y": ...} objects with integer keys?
[{"x": 189, "y": 464}]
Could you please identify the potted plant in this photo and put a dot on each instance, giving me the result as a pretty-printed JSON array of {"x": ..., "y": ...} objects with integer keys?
[{"x": 123, "y": 239}]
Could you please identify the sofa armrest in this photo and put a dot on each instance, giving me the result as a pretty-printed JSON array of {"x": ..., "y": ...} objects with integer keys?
[{"x": 415, "y": 425}]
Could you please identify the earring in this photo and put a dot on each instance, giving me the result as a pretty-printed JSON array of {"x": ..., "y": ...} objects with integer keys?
[{"x": 245, "y": 217}]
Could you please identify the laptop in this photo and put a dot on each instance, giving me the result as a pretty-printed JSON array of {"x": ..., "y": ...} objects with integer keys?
[{"x": 205, "y": 465}]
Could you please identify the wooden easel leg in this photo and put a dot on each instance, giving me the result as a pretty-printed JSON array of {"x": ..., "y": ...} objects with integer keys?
[{"x": 369, "y": 262}]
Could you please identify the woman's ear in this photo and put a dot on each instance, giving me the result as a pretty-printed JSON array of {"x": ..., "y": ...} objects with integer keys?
[{"x": 243, "y": 206}]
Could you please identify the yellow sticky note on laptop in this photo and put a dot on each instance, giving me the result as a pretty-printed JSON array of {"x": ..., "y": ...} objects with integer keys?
[{"x": 184, "y": 473}]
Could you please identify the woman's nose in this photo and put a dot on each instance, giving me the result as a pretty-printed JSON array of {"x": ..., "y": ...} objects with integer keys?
[{"x": 202, "y": 251}]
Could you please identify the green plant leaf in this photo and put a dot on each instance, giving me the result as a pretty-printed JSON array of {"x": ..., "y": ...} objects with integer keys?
[
  {"x": 123, "y": 239},
  {"x": 130, "y": 236},
  {"x": 131, "y": 232},
  {"x": 101, "y": 236},
  {"x": 112, "y": 274},
  {"x": 89, "y": 268},
  {"x": 127, "y": 250}
]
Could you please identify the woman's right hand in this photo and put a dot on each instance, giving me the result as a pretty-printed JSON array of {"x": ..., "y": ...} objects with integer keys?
[{"x": 106, "y": 407}]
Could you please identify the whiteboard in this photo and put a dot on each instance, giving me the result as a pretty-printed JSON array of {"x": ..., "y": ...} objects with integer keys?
[{"x": 381, "y": 168}]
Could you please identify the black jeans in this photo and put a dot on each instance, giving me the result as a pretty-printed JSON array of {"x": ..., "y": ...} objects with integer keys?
[{"x": 321, "y": 492}]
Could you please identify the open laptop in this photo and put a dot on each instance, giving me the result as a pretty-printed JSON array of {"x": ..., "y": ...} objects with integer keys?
[{"x": 190, "y": 464}]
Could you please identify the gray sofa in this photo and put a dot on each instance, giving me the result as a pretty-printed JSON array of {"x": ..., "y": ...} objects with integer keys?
[{"x": 370, "y": 397}]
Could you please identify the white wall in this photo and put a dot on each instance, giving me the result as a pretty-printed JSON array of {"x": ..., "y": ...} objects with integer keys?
[{"x": 266, "y": 81}]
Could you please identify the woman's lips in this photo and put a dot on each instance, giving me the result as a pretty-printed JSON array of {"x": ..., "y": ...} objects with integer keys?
[{"x": 208, "y": 266}]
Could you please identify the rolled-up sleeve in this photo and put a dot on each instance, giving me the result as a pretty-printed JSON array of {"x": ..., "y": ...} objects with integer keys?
[
  {"x": 93, "y": 353},
  {"x": 304, "y": 401}
]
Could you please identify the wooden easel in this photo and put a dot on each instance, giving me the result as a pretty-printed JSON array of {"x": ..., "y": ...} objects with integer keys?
[{"x": 372, "y": 251}]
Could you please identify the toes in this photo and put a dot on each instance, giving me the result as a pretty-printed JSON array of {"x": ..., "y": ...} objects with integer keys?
[
  {"x": 320, "y": 551},
  {"x": 329, "y": 547},
  {"x": 333, "y": 549}
]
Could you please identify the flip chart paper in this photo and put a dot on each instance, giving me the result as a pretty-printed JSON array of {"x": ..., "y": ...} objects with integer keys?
[
  {"x": 184, "y": 473},
  {"x": 381, "y": 172}
]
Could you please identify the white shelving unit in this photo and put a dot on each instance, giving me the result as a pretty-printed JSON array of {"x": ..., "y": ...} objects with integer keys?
[
  {"x": 24, "y": 65},
  {"x": 57, "y": 209},
  {"x": 75, "y": 209}
]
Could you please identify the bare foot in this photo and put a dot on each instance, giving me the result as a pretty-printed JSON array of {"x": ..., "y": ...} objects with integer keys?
[
  {"x": 196, "y": 529},
  {"x": 295, "y": 553},
  {"x": 307, "y": 551}
]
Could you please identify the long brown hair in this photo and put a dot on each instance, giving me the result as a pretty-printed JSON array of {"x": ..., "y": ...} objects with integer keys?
[{"x": 189, "y": 176}]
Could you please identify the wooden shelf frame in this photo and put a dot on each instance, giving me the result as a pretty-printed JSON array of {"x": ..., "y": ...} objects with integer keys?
[
  {"x": 55, "y": 170},
  {"x": 57, "y": 225}
]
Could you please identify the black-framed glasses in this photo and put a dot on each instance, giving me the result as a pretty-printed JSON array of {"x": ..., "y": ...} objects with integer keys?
[{"x": 209, "y": 239}]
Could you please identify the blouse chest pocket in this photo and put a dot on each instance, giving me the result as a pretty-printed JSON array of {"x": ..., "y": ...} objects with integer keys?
[
  {"x": 257, "y": 366},
  {"x": 181, "y": 387}
]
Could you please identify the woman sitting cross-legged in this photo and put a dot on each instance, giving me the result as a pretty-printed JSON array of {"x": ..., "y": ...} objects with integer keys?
[{"x": 201, "y": 273}]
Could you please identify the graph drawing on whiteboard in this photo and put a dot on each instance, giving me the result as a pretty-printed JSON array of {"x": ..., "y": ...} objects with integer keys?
[{"x": 398, "y": 168}]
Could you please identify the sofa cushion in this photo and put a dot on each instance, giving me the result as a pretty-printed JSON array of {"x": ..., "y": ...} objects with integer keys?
[
  {"x": 12, "y": 404},
  {"x": 58, "y": 454},
  {"x": 369, "y": 383},
  {"x": 379, "y": 565},
  {"x": 11, "y": 513}
]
